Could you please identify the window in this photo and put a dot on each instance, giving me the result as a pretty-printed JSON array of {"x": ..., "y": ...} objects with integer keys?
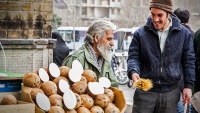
[
  {"x": 118, "y": 11},
  {"x": 84, "y": 11},
  {"x": 112, "y": 11},
  {"x": 84, "y": 1}
]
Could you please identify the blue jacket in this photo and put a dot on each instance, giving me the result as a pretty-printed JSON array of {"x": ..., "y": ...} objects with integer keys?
[{"x": 166, "y": 68}]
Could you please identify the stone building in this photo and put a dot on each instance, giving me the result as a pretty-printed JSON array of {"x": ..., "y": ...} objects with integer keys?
[
  {"x": 25, "y": 35},
  {"x": 124, "y": 13}
]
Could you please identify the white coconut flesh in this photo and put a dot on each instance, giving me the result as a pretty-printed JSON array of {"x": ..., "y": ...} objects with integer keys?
[
  {"x": 63, "y": 85},
  {"x": 43, "y": 75},
  {"x": 43, "y": 101},
  {"x": 95, "y": 88},
  {"x": 54, "y": 70},
  {"x": 69, "y": 99},
  {"x": 74, "y": 75},
  {"x": 105, "y": 82},
  {"x": 78, "y": 66}
]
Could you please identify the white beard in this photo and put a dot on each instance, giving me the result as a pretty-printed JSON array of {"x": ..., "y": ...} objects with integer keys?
[{"x": 105, "y": 52}]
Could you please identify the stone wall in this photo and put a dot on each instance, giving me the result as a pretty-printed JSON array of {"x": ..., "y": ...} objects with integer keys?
[
  {"x": 25, "y": 19},
  {"x": 25, "y": 35}
]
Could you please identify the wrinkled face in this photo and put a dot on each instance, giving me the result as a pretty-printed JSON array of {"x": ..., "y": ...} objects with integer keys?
[
  {"x": 159, "y": 18},
  {"x": 105, "y": 45}
]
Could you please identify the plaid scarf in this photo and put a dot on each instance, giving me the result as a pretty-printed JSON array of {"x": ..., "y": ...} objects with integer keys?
[{"x": 99, "y": 60}]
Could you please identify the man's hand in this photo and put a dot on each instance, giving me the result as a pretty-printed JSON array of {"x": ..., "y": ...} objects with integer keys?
[
  {"x": 135, "y": 77},
  {"x": 187, "y": 93}
]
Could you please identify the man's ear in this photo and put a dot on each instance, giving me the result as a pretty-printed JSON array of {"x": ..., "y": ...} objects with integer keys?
[{"x": 96, "y": 38}]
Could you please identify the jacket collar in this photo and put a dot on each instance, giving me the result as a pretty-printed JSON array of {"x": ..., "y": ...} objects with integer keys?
[{"x": 89, "y": 58}]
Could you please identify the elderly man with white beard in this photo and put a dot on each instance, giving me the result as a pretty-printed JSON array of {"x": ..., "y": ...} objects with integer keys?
[{"x": 96, "y": 53}]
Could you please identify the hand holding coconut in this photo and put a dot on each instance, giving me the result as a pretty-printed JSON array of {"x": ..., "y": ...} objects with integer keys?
[{"x": 140, "y": 83}]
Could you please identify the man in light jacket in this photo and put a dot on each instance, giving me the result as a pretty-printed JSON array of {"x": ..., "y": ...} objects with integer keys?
[{"x": 96, "y": 53}]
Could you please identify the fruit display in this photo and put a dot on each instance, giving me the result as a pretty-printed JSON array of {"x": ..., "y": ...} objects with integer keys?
[{"x": 71, "y": 90}]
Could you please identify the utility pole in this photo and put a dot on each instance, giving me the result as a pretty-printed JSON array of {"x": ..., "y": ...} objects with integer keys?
[{"x": 74, "y": 25}]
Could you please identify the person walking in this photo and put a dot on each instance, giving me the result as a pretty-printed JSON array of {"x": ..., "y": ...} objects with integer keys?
[
  {"x": 95, "y": 54},
  {"x": 61, "y": 50},
  {"x": 197, "y": 64},
  {"x": 162, "y": 51},
  {"x": 184, "y": 16}
]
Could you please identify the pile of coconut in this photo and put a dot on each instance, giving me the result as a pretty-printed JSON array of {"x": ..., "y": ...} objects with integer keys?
[{"x": 70, "y": 90}]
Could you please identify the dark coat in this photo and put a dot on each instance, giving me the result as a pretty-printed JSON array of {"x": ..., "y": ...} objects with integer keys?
[
  {"x": 197, "y": 63},
  {"x": 61, "y": 50},
  {"x": 188, "y": 27},
  {"x": 166, "y": 68}
]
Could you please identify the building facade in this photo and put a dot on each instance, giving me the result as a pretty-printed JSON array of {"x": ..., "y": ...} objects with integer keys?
[{"x": 124, "y": 13}]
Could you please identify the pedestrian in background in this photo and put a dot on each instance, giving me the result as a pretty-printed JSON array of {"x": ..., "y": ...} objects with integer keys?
[
  {"x": 61, "y": 50},
  {"x": 197, "y": 63},
  {"x": 162, "y": 51},
  {"x": 96, "y": 53},
  {"x": 184, "y": 16}
]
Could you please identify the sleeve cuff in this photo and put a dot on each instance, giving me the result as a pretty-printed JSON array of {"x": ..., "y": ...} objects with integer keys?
[
  {"x": 130, "y": 76},
  {"x": 189, "y": 85}
]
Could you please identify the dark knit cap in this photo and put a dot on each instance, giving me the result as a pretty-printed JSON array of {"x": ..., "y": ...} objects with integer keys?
[{"x": 162, "y": 4}]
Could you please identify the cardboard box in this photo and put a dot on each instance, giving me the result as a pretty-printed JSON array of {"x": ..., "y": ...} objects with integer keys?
[
  {"x": 26, "y": 97},
  {"x": 20, "y": 107},
  {"x": 10, "y": 82},
  {"x": 8, "y": 85},
  {"x": 119, "y": 99},
  {"x": 16, "y": 94}
]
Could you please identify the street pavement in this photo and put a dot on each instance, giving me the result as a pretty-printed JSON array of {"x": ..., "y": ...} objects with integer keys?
[{"x": 128, "y": 94}]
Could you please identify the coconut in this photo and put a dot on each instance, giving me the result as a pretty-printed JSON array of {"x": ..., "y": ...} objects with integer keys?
[
  {"x": 54, "y": 71},
  {"x": 62, "y": 84},
  {"x": 74, "y": 75},
  {"x": 110, "y": 94},
  {"x": 34, "y": 92},
  {"x": 88, "y": 101},
  {"x": 31, "y": 80},
  {"x": 90, "y": 75},
  {"x": 49, "y": 88},
  {"x": 64, "y": 71},
  {"x": 105, "y": 82},
  {"x": 56, "y": 100},
  {"x": 96, "y": 109},
  {"x": 102, "y": 100},
  {"x": 43, "y": 75},
  {"x": 56, "y": 80},
  {"x": 111, "y": 108},
  {"x": 56, "y": 109},
  {"x": 82, "y": 110},
  {"x": 79, "y": 101},
  {"x": 43, "y": 102},
  {"x": 77, "y": 66},
  {"x": 94, "y": 88},
  {"x": 69, "y": 99},
  {"x": 70, "y": 111},
  {"x": 83, "y": 79},
  {"x": 79, "y": 87},
  {"x": 8, "y": 100}
]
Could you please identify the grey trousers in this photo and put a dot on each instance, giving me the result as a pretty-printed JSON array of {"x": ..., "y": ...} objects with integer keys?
[{"x": 154, "y": 102}]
